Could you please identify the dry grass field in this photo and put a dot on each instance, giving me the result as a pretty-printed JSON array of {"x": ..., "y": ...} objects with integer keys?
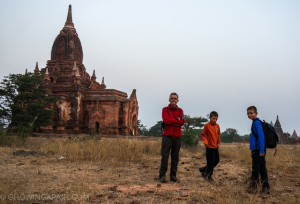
[{"x": 118, "y": 170}]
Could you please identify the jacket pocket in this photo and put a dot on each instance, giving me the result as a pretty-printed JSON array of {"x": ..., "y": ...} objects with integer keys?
[{"x": 177, "y": 131}]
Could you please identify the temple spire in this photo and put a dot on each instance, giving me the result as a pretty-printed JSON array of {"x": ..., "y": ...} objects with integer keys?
[
  {"x": 102, "y": 86},
  {"x": 277, "y": 123},
  {"x": 69, "y": 25},
  {"x": 94, "y": 76},
  {"x": 36, "y": 70}
]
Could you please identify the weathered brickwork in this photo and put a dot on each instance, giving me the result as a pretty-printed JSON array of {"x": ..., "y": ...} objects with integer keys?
[{"x": 84, "y": 105}]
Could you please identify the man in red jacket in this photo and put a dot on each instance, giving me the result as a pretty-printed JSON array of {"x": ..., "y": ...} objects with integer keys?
[{"x": 173, "y": 119}]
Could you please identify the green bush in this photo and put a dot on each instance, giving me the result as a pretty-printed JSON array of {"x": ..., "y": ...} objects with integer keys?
[{"x": 190, "y": 136}]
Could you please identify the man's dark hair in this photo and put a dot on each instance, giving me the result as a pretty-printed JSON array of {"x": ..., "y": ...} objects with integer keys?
[
  {"x": 252, "y": 108},
  {"x": 213, "y": 113},
  {"x": 174, "y": 94}
]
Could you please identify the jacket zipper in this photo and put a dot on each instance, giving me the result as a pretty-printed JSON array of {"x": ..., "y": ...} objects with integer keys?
[
  {"x": 215, "y": 135},
  {"x": 173, "y": 127}
]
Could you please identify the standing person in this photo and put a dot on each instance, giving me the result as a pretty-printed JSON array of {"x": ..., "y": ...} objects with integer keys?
[
  {"x": 258, "y": 152},
  {"x": 173, "y": 119},
  {"x": 211, "y": 138}
]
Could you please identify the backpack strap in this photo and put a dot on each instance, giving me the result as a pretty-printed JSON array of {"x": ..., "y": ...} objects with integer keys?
[
  {"x": 179, "y": 109},
  {"x": 252, "y": 130}
]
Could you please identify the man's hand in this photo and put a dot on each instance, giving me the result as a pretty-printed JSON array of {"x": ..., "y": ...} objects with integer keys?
[{"x": 261, "y": 154}]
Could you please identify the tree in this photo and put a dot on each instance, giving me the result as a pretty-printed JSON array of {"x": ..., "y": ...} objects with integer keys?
[
  {"x": 156, "y": 129},
  {"x": 193, "y": 122},
  {"x": 141, "y": 128},
  {"x": 230, "y": 135},
  {"x": 245, "y": 137},
  {"x": 25, "y": 104},
  {"x": 192, "y": 128}
]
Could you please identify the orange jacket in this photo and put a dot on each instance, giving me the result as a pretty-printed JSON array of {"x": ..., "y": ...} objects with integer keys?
[{"x": 211, "y": 135}]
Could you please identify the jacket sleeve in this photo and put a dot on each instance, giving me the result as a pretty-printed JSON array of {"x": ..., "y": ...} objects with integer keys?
[
  {"x": 182, "y": 120},
  {"x": 261, "y": 136},
  {"x": 219, "y": 136},
  {"x": 203, "y": 135},
  {"x": 167, "y": 119}
]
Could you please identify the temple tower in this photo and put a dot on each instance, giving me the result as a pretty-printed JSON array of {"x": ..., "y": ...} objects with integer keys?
[
  {"x": 282, "y": 137},
  {"x": 84, "y": 105},
  {"x": 294, "y": 135}
]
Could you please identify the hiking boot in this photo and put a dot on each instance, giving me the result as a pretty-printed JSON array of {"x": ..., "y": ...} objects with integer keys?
[
  {"x": 210, "y": 179},
  {"x": 252, "y": 188},
  {"x": 203, "y": 173},
  {"x": 265, "y": 190},
  {"x": 202, "y": 169},
  {"x": 174, "y": 179},
  {"x": 162, "y": 179}
]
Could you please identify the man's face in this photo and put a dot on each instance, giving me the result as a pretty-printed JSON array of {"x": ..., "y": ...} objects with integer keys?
[
  {"x": 213, "y": 120},
  {"x": 251, "y": 114},
  {"x": 173, "y": 100}
]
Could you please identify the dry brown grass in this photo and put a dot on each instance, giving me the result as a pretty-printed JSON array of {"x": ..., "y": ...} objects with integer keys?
[
  {"x": 102, "y": 150},
  {"x": 109, "y": 170}
]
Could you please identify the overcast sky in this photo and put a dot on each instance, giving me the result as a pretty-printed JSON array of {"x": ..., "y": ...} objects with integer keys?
[{"x": 217, "y": 55}]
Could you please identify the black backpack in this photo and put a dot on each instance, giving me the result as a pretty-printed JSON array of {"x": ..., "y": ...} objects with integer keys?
[
  {"x": 271, "y": 137},
  {"x": 163, "y": 124}
]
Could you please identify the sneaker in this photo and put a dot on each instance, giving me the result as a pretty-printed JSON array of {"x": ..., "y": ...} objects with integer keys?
[
  {"x": 162, "y": 179},
  {"x": 174, "y": 179},
  {"x": 265, "y": 190}
]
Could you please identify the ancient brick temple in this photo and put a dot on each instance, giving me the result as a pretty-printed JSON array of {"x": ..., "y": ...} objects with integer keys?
[
  {"x": 294, "y": 135},
  {"x": 282, "y": 136},
  {"x": 84, "y": 105}
]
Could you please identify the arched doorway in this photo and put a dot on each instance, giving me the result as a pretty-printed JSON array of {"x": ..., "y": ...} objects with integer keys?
[
  {"x": 134, "y": 126},
  {"x": 97, "y": 126}
]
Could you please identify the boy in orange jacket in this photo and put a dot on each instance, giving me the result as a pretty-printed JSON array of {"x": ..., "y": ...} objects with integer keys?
[{"x": 211, "y": 139}]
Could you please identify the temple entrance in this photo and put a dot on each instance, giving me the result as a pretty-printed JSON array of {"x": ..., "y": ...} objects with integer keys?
[
  {"x": 134, "y": 126},
  {"x": 97, "y": 125}
]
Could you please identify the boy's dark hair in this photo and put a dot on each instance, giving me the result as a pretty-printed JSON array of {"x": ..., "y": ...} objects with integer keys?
[
  {"x": 173, "y": 93},
  {"x": 213, "y": 113},
  {"x": 252, "y": 108}
]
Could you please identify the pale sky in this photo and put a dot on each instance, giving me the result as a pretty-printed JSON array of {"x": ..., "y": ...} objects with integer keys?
[{"x": 217, "y": 55}]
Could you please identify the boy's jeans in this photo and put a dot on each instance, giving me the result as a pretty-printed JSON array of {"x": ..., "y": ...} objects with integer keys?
[
  {"x": 212, "y": 158},
  {"x": 259, "y": 168},
  {"x": 173, "y": 144}
]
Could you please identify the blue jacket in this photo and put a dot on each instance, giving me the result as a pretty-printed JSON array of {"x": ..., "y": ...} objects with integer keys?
[{"x": 257, "y": 144}]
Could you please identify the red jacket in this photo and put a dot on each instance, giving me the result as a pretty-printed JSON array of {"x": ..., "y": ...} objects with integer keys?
[
  {"x": 211, "y": 135},
  {"x": 172, "y": 122}
]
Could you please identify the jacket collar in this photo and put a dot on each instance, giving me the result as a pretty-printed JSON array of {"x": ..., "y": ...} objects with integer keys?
[
  {"x": 211, "y": 123},
  {"x": 173, "y": 108}
]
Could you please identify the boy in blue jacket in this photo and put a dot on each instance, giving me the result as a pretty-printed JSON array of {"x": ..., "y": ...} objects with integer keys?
[{"x": 258, "y": 152}]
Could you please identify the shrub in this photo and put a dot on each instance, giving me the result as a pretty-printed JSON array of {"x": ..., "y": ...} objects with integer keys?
[{"x": 189, "y": 137}]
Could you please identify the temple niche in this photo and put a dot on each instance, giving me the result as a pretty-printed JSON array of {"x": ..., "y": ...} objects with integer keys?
[{"x": 83, "y": 104}]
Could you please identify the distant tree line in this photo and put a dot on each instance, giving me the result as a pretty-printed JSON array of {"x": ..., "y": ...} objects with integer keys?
[{"x": 192, "y": 130}]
